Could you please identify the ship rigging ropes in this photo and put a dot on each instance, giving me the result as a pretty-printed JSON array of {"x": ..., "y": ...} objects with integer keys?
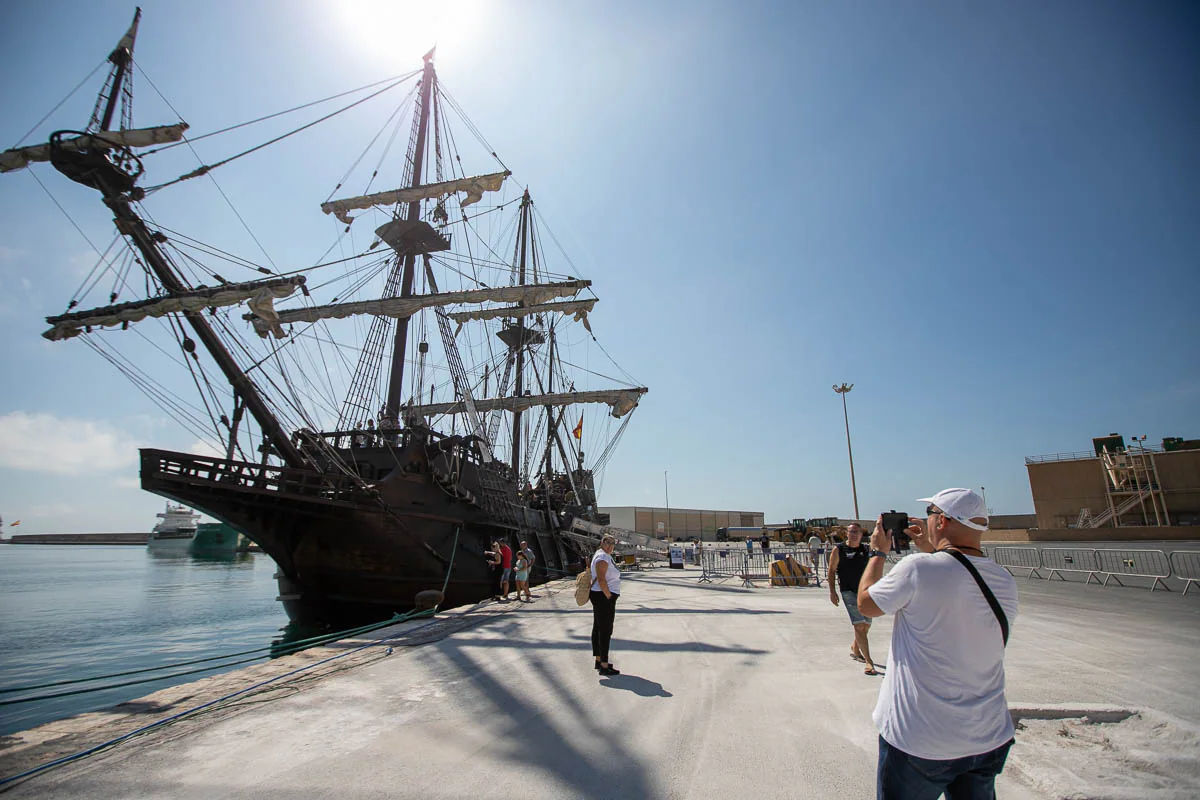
[{"x": 304, "y": 375}]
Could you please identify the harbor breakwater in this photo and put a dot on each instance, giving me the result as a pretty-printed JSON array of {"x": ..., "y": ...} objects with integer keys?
[{"x": 78, "y": 538}]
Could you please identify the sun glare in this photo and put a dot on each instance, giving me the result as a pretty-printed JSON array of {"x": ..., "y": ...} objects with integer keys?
[{"x": 394, "y": 34}]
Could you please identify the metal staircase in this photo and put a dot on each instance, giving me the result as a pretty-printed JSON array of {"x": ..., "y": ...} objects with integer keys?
[{"x": 1114, "y": 512}]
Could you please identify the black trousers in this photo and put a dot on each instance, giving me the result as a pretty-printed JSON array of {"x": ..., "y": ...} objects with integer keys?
[{"x": 604, "y": 610}]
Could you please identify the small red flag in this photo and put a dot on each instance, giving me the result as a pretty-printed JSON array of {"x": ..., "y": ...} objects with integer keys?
[
  {"x": 578, "y": 432},
  {"x": 14, "y": 524}
]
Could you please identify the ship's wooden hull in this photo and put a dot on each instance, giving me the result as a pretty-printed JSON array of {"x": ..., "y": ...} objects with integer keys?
[{"x": 346, "y": 555}]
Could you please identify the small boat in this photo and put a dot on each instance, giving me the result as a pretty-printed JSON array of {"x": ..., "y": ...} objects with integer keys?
[
  {"x": 176, "y": 529},
  {"x": 217, "y": 538}
]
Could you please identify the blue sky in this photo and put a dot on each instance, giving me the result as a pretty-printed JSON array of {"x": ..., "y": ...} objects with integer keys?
[{"x": 985, "y": 216}]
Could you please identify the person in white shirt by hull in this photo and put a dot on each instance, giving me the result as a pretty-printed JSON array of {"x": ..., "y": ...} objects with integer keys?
[{"x": 943, "y": 720}]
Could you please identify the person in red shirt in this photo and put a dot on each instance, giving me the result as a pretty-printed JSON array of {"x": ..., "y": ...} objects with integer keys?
[{"x": 506, "y": 569}]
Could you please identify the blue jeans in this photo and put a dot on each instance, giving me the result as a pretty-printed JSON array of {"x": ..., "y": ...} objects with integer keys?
[{"x": 900, "y": 776}]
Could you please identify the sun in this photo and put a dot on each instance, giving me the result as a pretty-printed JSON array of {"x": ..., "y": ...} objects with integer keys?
[{"x": 396, "y": 33}]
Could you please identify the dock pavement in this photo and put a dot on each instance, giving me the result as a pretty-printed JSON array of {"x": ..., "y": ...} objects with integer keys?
[{"x": 725, "y": 691}]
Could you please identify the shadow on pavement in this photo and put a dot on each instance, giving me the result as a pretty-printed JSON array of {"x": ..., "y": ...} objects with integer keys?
[
  {"x": 639, "y": 686},
  {"x": 536, "y": 740},
  {"x": 654, "y": 610}
]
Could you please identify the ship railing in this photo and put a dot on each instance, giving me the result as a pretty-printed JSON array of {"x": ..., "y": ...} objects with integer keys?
[{"x": 284, "y": 480}]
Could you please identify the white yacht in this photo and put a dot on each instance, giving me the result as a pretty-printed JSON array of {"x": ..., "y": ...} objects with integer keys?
[{"x": 175, "y": 530}]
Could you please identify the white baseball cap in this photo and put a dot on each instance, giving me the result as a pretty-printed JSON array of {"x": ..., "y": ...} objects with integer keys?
[{"x": 960, "y": 505}]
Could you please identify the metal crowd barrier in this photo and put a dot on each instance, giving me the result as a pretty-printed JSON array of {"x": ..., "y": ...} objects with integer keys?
[
  {"x": 1112, "y": 563},
  {"x": 750, "y": 566},
  {"x": 1134, "y": 564},
  {"x": 1070, "y": 559},
  {"x": 1185, "y": 565},
  {"x": 1018, "y": 558},
  {"x": 1096, "y": 563}
]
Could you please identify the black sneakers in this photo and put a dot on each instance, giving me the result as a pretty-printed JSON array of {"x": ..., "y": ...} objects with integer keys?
[{"x": 609, "y": 671}]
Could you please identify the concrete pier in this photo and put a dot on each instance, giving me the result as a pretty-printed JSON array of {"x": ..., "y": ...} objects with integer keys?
[{"x": 725, "y": 692}]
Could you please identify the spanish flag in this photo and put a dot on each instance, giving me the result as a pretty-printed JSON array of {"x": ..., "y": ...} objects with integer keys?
[{"x": 578, "y": 432}]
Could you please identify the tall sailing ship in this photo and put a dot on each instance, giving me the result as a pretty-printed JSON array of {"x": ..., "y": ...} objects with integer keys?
[{"x": 456, "y": 422}]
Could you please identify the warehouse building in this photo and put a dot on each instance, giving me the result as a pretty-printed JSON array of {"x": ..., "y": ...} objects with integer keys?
[
  {"x": 1119, "y": 485},
  {"x": 680, "y": 523}
]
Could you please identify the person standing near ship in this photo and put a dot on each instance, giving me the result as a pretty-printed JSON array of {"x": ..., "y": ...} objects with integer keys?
[
  {"x": 528, "y": 551},
  {"x": 493, "y": 559},
  {"x": 505, "y": 569},
  {"x": 522, "y": 577},
  {"x": 846, "y": 565},
  {"x": 606, "y": 589}
]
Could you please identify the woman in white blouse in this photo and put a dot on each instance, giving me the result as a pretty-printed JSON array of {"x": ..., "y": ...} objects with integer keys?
[{"x": 606, "y": 588}]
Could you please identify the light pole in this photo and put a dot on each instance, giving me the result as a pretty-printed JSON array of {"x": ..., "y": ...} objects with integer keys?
[
  {"x": 843, "y": 390},
  {"x": 667, "y": 492},
  {"x": 983, "y": 491}
]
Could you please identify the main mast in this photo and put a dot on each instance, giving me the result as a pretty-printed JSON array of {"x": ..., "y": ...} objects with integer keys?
[
  {"x": 121, "y": 58},
  {"x": 400, "y": 343},
  {"x": 519, "y": 389}
]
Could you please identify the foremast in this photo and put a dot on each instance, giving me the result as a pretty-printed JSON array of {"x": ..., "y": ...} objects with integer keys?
[{"x": 95, "y": 167}]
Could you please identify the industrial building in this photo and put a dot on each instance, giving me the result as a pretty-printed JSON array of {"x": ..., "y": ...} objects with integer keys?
[
  {"x": 679, "y": 523},
  {"x": 1118, "y": 485}
]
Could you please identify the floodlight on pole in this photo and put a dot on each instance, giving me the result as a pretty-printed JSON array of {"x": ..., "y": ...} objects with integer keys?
[{"x": 843, "y": 390}]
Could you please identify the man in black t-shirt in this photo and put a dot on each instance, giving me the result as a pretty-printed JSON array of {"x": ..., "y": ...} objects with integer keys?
[{"x": 846, "y": 564}]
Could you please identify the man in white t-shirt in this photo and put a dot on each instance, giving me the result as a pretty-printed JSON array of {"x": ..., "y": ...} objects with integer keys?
[{"x": 942, "y": 715}]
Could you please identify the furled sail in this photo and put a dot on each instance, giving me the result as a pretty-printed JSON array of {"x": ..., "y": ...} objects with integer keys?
[
  {"x": 259, "y": 293},
  {"x": 473, "y": 186},
  {"x": 622, "y": 402},
  {"x": 20, "y": 157},
  {"x": 579, "y": 308},
  {"x": 404, "y": 307}
]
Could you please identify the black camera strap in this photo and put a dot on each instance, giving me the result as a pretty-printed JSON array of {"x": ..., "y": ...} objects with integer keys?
[{"x": 987, "y": 593}]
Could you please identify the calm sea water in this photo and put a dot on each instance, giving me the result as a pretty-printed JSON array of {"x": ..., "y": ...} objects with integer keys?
[{"x": 78, "y": 611}]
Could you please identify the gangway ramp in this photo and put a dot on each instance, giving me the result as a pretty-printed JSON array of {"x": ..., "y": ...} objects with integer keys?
[{"x": 590, "y": 533}]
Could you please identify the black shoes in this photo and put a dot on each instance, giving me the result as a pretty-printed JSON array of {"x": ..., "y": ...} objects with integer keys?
[{"x": 609, "y": 671}]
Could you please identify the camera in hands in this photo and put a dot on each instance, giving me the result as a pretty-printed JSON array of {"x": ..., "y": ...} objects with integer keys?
[{"x": 895, "y": 523}]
